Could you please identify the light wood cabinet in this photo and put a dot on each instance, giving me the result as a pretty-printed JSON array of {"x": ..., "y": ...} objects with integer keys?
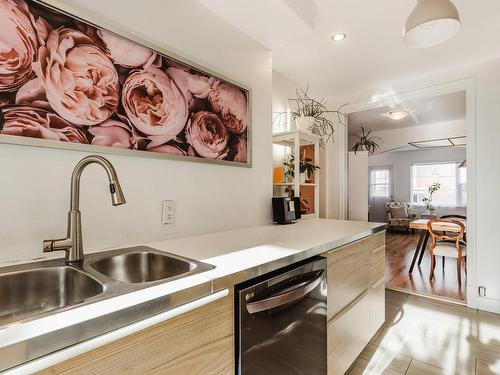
[
  {"x": 198, "y": 342},
  {"x": 350, "y": 270},
  {"x": 377, "y": 264},
  {"x": 347, "y": 335},
  {"x": 377, "y": 306},
  {"x": 356, "y": 299}
]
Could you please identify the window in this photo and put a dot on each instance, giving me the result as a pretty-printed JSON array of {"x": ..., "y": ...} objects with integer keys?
[
  {"x": 380, "y": 183},
  {"x": 453, "y": 180}
]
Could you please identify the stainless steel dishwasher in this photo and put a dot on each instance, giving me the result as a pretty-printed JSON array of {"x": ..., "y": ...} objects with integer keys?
[{"x": 281, "y": 322}]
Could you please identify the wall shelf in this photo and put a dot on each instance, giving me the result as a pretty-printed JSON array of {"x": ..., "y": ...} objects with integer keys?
[
  {"x": 288, "y": 138},
  {"x": 301, "y": 142}
]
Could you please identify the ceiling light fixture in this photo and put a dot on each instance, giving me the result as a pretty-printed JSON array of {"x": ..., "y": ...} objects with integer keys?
[
  {"x": 398, "y": 115},
  {"x": 440, "y": 142},
  {"x": 339, "y": 37},
  {"x": 431, "y": 22}
]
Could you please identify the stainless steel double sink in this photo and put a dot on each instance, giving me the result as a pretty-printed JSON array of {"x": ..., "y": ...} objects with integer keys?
[{"x": 34, "y": 290}]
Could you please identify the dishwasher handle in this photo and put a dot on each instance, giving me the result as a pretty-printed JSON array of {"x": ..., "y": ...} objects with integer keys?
[{"x": 284, "y": 298}]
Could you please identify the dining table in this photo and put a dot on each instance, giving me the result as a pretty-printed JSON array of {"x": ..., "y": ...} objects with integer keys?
[{"x": 421, "y": 225}]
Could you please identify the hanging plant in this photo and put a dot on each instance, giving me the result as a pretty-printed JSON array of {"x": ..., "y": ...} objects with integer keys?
[
  {"x": 313, "y": 113},
  {"x": 365, "y": 142}
]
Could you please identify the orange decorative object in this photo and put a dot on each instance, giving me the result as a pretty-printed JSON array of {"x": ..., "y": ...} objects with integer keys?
[{"x": 278, "y": 175}]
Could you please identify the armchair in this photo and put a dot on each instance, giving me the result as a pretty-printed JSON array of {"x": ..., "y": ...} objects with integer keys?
[{"x": 399, "y": 215}]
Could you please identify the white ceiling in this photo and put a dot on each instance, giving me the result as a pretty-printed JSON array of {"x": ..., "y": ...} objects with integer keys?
[
  {"x": 426, "y": 111},
  {"x": 272, "y": 23},
  {"x": 299, "y": 31}
]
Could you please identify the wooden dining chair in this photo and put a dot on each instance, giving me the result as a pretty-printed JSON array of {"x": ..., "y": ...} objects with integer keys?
[
  {"x": 448, "y": 244},
  {"x": 456, "y": 216}
]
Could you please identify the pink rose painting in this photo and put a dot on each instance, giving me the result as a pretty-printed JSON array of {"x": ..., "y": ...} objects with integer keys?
[{"x": 66, "y": 81}]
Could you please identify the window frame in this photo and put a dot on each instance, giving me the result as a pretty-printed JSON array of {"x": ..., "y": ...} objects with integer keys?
[
  {"x": 459, "y": 198},
  {"x": 390, "y": 183}
]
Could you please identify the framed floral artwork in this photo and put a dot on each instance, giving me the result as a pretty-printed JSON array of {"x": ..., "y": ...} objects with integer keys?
[{"x": 67, "y": 83}]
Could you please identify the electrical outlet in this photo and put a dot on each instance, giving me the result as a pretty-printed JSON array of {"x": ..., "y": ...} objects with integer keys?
[{"x": 168, "y": 214}]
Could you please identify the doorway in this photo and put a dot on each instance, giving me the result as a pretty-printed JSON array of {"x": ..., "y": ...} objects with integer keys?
[
  {"x": 380, "y": 191},
  {"x": 414, "y": 187}
]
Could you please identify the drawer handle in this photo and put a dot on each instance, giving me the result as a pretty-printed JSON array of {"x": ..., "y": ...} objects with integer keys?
[
  {"x": 378, "y": 249},
  {"x": 349, "y": 306},
  {"x": 284, "y": 298}
]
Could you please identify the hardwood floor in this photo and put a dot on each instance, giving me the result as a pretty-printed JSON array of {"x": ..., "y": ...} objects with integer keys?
[
  {"x": 427, "y": 337},
  {"x": 399, "y": 252}
]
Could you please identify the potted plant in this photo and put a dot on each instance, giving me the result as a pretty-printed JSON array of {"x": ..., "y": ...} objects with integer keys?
[
  {"x": 311, "y": 114},
  {"x": 428, "y": 200},
  {"x": 306, "y": 169},
  {"x": 365, "y": 142},
  {"x": 289, "y": 166}
]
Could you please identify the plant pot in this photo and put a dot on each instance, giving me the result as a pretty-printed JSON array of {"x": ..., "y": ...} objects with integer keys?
[
  {"x": 287, "y": 178},
  {"x": 305, "y": 123},
  {"x": 429, "y": 211},
  {"x": 302, "y": 178}
]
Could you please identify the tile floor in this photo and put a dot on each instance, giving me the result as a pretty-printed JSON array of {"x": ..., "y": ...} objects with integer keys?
[{"x": 426, "y": 337}]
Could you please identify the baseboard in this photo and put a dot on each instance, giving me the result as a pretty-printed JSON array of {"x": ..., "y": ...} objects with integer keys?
[
  {"x": 486, "y": 304},
  {"x": 477, "y": 302},
  {"x": 427, "y": 295}
]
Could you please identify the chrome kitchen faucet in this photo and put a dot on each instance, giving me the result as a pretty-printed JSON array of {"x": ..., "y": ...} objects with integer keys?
[{"x": 73, "y": 243}]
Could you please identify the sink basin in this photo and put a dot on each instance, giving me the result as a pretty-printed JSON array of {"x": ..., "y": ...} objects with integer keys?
[
  {"x": 33, "y": 291},
  {"x": 142, "y": 266}
]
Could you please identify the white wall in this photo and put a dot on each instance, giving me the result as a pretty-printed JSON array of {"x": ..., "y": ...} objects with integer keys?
[
  {"x": 487, "y": 155},
  {"x": 34, "y": 182},
  {"x": 358, "y": 186},
  {"x": 401, "y": 162},
  {"x": 337, "y": 177},
  {"x": 283, "y": 89}
]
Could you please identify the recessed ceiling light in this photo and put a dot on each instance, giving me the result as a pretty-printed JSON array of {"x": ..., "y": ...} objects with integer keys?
[
  {"x": 398, "y": 115},
  {"x": 339, "y": 37}
]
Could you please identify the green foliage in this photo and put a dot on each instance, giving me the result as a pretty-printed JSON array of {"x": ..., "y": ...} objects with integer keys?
[
  {"x": 431, "y": 190},
  {"x": 306, "y": 106},
  {"x": 305, "y": 166},
  {"x": 365, "y": 142},
  {"x": 289, "y": 165},
  {"x": 308, "y": 167}
]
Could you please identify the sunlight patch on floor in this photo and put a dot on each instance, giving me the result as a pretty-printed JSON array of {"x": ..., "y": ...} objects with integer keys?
[{"x": 423, "y": 337}]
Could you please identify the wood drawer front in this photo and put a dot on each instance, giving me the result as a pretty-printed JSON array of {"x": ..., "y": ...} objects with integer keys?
[
  {"x": 366, "y": 243},
  {"x": 200, "y": 341},
  {"x": 348, "y": 334},
  {"x": 214, "y": 358},
  {"x": 350, "y": 270},
  {"x": 377, "y": 265},
  {"x": 377, "y": 306}
]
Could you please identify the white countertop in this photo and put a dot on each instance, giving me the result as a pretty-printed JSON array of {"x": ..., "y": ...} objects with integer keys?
[
  {"x": 231, "y": 252},
  {"x": 237, "y": 250}
]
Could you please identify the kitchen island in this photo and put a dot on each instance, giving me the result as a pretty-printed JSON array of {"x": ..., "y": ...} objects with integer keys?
[{"x": 197, "y": 337}]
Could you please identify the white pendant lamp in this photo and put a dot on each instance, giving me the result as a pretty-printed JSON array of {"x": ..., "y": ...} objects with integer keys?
[{"x": 431, "y": 22}]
